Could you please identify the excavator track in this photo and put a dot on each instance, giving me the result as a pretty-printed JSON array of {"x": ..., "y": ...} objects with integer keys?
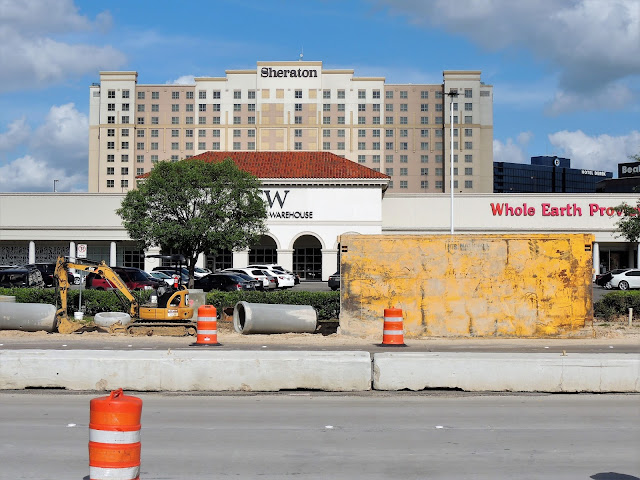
[{"x": 143, "y": 329}]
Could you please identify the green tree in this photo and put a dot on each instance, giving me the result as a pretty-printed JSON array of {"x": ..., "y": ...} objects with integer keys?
[
  {"x": 192, "y": 206},
  {"x": 629, "y": 224}
]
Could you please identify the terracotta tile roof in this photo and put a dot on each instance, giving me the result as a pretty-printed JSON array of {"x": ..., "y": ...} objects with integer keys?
[{"x": 294, "y": 165}]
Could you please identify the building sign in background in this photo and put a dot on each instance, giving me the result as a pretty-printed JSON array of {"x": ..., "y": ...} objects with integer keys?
[{"x": 629, "y": 169}]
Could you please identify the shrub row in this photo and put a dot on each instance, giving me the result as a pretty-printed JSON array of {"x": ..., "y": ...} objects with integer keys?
[
  {"x": 327, "y": 304},
  {"x": 618, "y": 303}
]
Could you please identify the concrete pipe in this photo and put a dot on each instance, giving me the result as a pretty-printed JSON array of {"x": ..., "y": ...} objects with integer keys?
[
  {"x": 28, "y": 317},
  {"x": 7, "y": 298},
  {"x": 268, "y": 318},
  {"x": 106, "y": 319}
]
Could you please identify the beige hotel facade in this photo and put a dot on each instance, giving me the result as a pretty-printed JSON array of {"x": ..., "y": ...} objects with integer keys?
[{"x": 402, "y": 130}]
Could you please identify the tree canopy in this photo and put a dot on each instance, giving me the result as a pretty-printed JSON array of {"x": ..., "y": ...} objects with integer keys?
[
  {"x": 192, "y": 206},
  {"x": 629, "y": 225}
]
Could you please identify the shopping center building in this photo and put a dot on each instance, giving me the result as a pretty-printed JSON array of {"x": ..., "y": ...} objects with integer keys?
[{"x": 402, "y": 130}]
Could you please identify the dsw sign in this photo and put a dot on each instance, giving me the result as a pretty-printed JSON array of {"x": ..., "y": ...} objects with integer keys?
[{"x": 276, "y": 200}]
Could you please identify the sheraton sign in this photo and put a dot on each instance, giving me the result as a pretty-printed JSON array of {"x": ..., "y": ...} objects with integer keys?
[{"x": 268, "y": 72}]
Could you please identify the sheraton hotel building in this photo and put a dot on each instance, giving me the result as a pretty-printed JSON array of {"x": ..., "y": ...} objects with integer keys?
[{"x": 401, "y": 130}]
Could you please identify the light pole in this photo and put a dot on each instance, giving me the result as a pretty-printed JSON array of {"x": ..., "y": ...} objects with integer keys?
[
  {"x": 54, "y": 185},
  {"x": 452, "y": 94}
]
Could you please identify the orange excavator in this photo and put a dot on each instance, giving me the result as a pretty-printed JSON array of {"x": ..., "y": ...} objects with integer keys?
[{"x": 171, "y": 315}]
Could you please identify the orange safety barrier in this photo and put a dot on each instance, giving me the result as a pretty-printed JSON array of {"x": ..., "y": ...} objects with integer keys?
[
  {"x": 114, "y": 437},
  {"x": 207, "y": 326},
  {"x": 393, "y": 328}
]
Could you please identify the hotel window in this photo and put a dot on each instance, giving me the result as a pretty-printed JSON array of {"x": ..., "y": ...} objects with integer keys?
[
  {"x": 468, "y": 93},
  {"x": 251, "y": 107},
  {"x": 216, "y": 120},
  {"x": 424, "y": 120},
  {"x": 424, "y": 107},
  {"x": 215, "y": 146},
  {"x": 175, "y": 107},
  {"x": 468, "y": 107},
  {"x": 424, "y": 133},
  {"x": 388, "y": 158},
  {"x": 424, "y": 94},
  {"x": 216, "y": 133},
  {"x": 326, "y": 94},
  {"x": 455, "y": 145},
  {"x": 389, "y": 171},
  {"x": 297, "y": 145},
  {"x": 376, "y": 133},
  {"x": 236, "y": 132},
  {"x": 202, "y": 133},
  {"x": 111, "y": 107},
  {"x": 468, "y": 145},
  {"x": 237, "y": 94},
  {"x": 155, "y": 120},
  {"x": 404, "y": 146},
  {"x": 124, "y": 183},
  {"x": 298, "y": 94},
  {"x": 326, "y": 133},
  {"x": 202, "y": 107},
  {"x": 424, "y": 158},
  {"x": 326, "y": 145},
  {"x": 251, "y": 145},
  {"x": 236, "y": 121},
  {"x": 340, "y": 145},
  {"x": 362, "y": 107},
  {"x": 388, "y": 133},
  {"x": 376, "y": 107},
  {"x": 455, "y": 171},
  {"x": 140, "y": 95},
  {"x": 124, "y": 171},
  {"x": 111, "y": 94},
  {"x": 237, "y": 107},
  {"x": 376, "y": 94},
  {"x": 362, "y": 94},
  {"x": 375, "y": 146},
  {"x": 404, "y": 172},
  {"x": 216, "y": 107},
  {"x": 362, "y": 133},
  {"x": 341, "y": 107},
  {"x": 216, "y": 94},
  {"x": 125, "y": 107},
  {"x": 175, "y": 95},
  {"x": 188, "y": 133},
  {"x": 468, "y": 132},
  {"x": 404, "y": 94},
  {"x": 424, "y": 171},
  {"x": 111, "y": 158},
  {"x": 390, "y": 185},
  {"x": 251, "y": 94},
  {"x": 154, "y": 158},
  {"x": 154, "y": 146},
  {"x": 404, "y": 120},
  {"x": 251, "y": 120},
  {"x": 340, "y": 120},
  {"x": 139, "y": 171},
  {"x": 404, "y": 107},
  {"x": 455, "y": 107},
  {"x": 155, "y": 95},
  {"x": 140, "y": 146},
  {"x": 297, "y": 120},
  {"x": 298, "y": 107},
  {"x": 236, "y": 145},
  {"x": 438, "y": 145},
  {"x": 175, "y": 133},
  {"x": 468, "y": 184},
  {"x": 438, "y": 109},
  {"x": 202, "y": 120},
  {"x": 362, "y": 121},
  {"x": 175, "y": 158},
  {"x": 455, "y": 132},
  {"x": 140, "y": 121},
  {"x": 388, "y": 146},
  {"x": 424, "y": 145},
  {"x": 388, "y": 107},
  {"x": 175, "y": 146},
  {"x": 111, "y": 171},
  {"x": 376, "y": 159},
  {"x": 424, "y": 184},
  {"x": 404, "y": 132},
  {"x": 388, "y": 94},
  {"x": 468, "y": 171},
  {"x": 404, "y": 184},
  {"x": 439, "y": 120},
  {"x": 202, "y": 94},
  {"x": 438, "y": 132},
  {"x": 140, "y": 133},
  {"x": 404, "y": 159},
  {"x": 361, "y": 159},
  {"x": 251, "y": 133},
  {"x": 438, "y": 172},
  {"x": 155, "y": 107},
  {"x": 362, "y": 145},
  {"x": 140, "y": 107},
  {"x": 468, "y": 119},
  {"x": 110, "y": 183},
  {"x": 341, "y": 133},
  {"x": 189, "y": 95},
  {"x": 124, "y": 145},
  {"x": 111, "y": 132},
  {"x": 341, "y": 94},
  {"x": 388, "y": 120},
  {"x": 468, "y": 158}
]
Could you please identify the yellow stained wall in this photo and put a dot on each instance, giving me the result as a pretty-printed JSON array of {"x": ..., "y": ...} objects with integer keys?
[{"x": 467, "y": 285}]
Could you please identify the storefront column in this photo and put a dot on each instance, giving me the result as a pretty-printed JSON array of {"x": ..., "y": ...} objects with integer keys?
[
  {"x": 32, "y": 252},
  {"x": 329, "y": 263},
  {"x": 240, "y": 259},
  {"x": 285, "y": 259},
  {"x": 596, "y": 260},
  {"x": 151, "y": 263},
  {"x": 72, "y": 251},
  {"x": 630, "y": 259},
  {"x": 201, "y": 261},
  {"x": 113, "y": 257}
]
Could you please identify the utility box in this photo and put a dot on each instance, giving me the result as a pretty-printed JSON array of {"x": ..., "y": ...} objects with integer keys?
[{"x": 467, "y": 285}]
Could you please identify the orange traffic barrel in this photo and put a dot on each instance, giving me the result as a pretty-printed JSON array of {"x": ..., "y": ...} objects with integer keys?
[
  {"x": 393, "y": 328},
  {"x": 207, "y": 326},
  {"x": 114, "y": 437}
]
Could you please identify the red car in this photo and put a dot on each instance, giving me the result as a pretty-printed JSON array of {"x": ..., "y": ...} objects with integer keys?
[{"x": 134, "y": 278}]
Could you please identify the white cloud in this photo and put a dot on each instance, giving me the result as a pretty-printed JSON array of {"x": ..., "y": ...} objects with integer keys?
[
  {"x": 58, "y": 150},
  {"x": 601, "y": 152},
  {"x": 524, "y": 138},
  {"x": 30, "y": 57},
  {"x": 591, "y": 43},
  {"x": 610, "y": 97},
  {"x": 17, "y": 133},
  {"x": 183, "y": 80},
  {"x": 509, "y": 151}
]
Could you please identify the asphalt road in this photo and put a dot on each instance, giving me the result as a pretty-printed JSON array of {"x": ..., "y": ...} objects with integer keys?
[{"x": 437, "y": 435}]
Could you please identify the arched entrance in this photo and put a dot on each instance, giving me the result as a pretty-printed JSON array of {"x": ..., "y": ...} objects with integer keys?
[
  {"x": 307, "y": 258},
  {"x": 264, "y": 252}
]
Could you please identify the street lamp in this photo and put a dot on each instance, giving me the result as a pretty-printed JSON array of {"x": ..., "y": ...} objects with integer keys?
[
  {"x": 452, "y": 94},
  {"x": 54, "y": 185}
]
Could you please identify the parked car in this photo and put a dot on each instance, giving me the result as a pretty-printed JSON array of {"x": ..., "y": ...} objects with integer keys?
[
  {"x": 182, "y": 278},
  {"x": 257, "y": 284},
  {"x": 47, "y": 270},
  {"x": 285, "y": 280},
  {"x": 134, "y": 278},
  {"x": 334, "y": 281},
  {"x": 158, "y": 275},
  {"x": 604, "y": 279},
  {"x": 267, "y": 281},
  {"x": 201, "y": 272},
  {"x": 629, "y": 278},
  {"x": 21, "y": 277},
  {"x": 223, "y": 281}
]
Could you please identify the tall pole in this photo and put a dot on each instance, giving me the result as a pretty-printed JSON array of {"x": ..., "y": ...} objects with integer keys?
[{"x": 452, "y": 94}]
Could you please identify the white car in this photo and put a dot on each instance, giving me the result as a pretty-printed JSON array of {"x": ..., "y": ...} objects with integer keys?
[
  {"x": 285, "y": 280},
  {"x": 629, "y": 278},
  {"x": 268, "y": 281},
  {"x": 168, "y": 279}
]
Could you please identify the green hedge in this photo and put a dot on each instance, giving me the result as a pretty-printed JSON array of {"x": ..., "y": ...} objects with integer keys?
[
  {"x": 327, "y": 304},
  {"x": 617, "y": 303}
]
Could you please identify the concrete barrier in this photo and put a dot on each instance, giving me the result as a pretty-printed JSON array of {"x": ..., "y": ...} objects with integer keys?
[
  {"x": 185, "y": 370},
  {"x": 507, "y": 372}
]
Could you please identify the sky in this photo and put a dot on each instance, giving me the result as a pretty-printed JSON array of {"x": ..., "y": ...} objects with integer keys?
[{"x": 565, "y": 73}]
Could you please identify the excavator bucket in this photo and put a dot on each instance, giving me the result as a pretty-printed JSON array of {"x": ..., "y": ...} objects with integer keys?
[{"x": 67, "y": 326}]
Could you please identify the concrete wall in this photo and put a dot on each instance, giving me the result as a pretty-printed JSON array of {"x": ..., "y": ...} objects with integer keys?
[{"x": 468, "y": 285}]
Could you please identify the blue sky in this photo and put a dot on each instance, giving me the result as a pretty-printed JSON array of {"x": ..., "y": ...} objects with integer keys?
[{"x": 565, "y": 72}]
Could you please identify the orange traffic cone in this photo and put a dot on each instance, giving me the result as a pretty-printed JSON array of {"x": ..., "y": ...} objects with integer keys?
[
  {"x": 207, "y": 327},
  {"x": 393, "y": 329},
  {"x": 114, "y": 437}
]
